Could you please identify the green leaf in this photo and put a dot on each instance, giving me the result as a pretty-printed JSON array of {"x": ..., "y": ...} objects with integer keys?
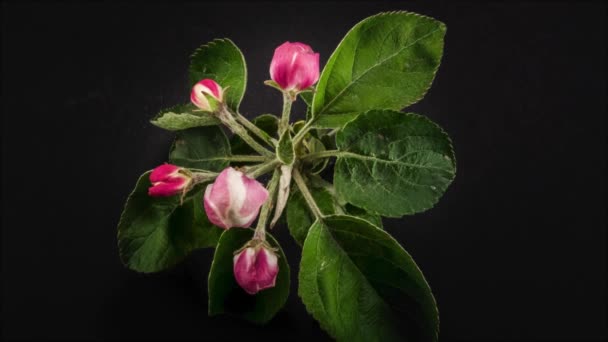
[
  {"x": 155, "y": 233},
  {"x": 285, "y": 151},
  {"x": 387, "y": 61},
  {"x": 306, "y": 96},
  {"x": 266, "y": 122},
  {"x": 222, "y": 61},
  {"x": 226, "y": 296},
  {"x": 315, "y": 145},
  {"x": 361, "y": 285},
  {"x": 298, "y": 125},
  {"x": 299, "y": 216},
  {"x": 201, "y": 148},
  {"x": 182, "y": 117},
  {"x": 393, "y": 163}
]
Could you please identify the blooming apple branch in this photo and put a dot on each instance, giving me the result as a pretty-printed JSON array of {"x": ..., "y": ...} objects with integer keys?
[
  {"x": 235, "y": 198},
  {"x": 387, "y": 163}
]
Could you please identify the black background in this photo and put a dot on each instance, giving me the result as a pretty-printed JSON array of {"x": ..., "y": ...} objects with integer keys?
[{"x": 514, "y": 250}]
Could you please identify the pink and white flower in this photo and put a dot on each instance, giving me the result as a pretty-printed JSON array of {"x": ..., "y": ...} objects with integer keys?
[
  {"x": 234, "y": 199},
  {"x": 294, "y": 66},
  {"x": 207, "y": 94},
  {"x": 167, "y": 180},
  {"x": 256, "y": 268}
]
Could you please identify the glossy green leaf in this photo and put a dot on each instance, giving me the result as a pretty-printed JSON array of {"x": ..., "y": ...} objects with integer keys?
[
  {"x": 182, "y": 117},
  {"x": 222, "y": 61},
  {"x": 393, "y": 163},
  {"x": 285, "y": 151},
  {"x": 361, "y": 285},
  {"x": 226, "y": 296},
  {"x": 268, "y": 123},
  {"x": 387, "y": 61},
  {"x": 201, "y": 148},
  {"x": 155, "y": 233}
]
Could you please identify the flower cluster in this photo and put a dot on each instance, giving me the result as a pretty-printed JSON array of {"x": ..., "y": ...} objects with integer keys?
[{"x": 235, "y": 198}]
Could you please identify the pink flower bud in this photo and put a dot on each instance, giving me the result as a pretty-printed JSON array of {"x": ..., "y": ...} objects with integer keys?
[
  {"x": 294, "y": 66},
  {"x": 167, "y": 181},
  {"x": 206, "y": 95},
  {"x": 234, "y": 200},
  {"x": 255, "y": 269}
]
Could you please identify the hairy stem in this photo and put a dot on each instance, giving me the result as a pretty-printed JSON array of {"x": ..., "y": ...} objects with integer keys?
[
  {"x": 258, "y": 170},
  {"x": 256, "y": 130},
  {"x": 287, "y": 102},
  {"x": 297, "y": 176},
  {"x": 227, "y": 119},
  {"x": 202, "y": 177},
  {"x": 321, "y": 154},
  {"x": 246, "y": 158},
  {"x": 298, "y": 137},
  {"x": 260, "y": 229}
]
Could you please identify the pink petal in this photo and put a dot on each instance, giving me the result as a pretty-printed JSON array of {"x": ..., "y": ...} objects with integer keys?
[
  {"x": 212, "y": 88},
  {"x": 198, "y": 98},
  {"x": 256, "y": 195},
  {"x": 234, "y": 200},
  {"x": 301, "y": 47},
  {"x": 306, "y": 70},
  {"x": 244, "y": 272},
  {"x": 219, "y": 194},
  {"x": 294, "y": 66},
  {"x": 279, "y": 73},
  {"x": 213, "y": 214},
  {"x": 169, "y": 188},
  {"x": 267, "y": 268},
  {"x": 163, "y": 172},
  {"x": 255, "y": 271},
  {"x": 280, "y": 66}
]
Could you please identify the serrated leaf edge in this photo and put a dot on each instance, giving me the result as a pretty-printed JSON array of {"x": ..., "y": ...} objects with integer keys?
[
  {"x": 442, "y": 27},
  {"x": 390, "y": 237}
]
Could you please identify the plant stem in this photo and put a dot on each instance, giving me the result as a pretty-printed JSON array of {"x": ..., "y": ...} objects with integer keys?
[
  {"x": 237, "y": 158},
  {"x": 321, "y": 154},
  {"x": 256, "y": 130},
  {"x": 227, "y": 119},
  {"x": 332, "y": 132},
  {"x": 297, "y": 176},
  {"x": 287, "y": 102},
  {"x": 296, "y": 139},
  {"x": 246, "y": 158},
  {"x": 258, "y": 170},
  {"x": 260, "y": 229},
  {"x": 282, "y": 193},
  {"x": 202, "y": 177}
]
